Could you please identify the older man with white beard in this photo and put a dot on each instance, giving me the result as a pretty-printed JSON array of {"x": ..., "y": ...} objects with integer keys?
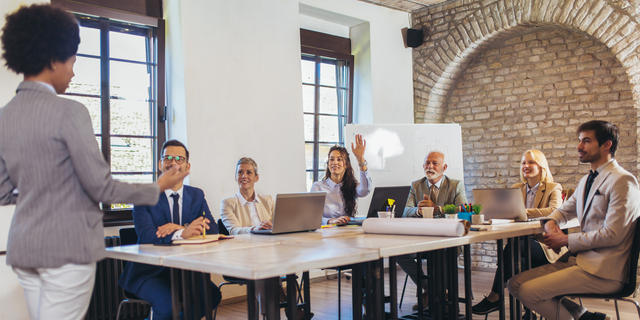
[{"x": 434, "y": 190}]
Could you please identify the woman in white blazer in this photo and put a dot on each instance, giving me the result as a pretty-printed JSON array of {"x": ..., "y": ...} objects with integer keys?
[{"x": 246, "y": 210}]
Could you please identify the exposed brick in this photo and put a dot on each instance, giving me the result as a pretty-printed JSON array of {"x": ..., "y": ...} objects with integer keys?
[{"x": 530, "y": 85}]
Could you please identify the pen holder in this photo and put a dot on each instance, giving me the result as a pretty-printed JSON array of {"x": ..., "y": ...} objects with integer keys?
[
  {"x": 451, "y": 215},
  {"x": 465, "y": 216},
  {"x": 477, "y": 219}
]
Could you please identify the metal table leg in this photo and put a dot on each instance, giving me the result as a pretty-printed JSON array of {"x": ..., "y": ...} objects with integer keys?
[
  {"x": 500, "y": 245},
  {"x": 251, "y": 303},
  {"x": 175, "y": 294},
  {"x": 467, "y": 282},
  {"x": 393, "y": 288},
  {"x": 356, "y": 291}
]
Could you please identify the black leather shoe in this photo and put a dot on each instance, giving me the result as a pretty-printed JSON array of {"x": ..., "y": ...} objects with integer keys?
[
  {"x": 595, "y": 316},
  {"x": 525, "y": 316},
  {"x": 485, "y": 306}
]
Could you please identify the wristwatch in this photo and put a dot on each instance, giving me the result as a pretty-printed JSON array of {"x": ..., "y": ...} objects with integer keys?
[{"x": 362, "y": 164}]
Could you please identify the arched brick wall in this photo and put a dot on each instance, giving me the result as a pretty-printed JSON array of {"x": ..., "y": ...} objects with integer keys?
[{"x": 466, "y": 34}]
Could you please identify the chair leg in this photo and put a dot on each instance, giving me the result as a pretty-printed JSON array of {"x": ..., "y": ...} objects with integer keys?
[
  {"x": 339, "y": 295},
  {"x": 403, "y": 289},
  {"x": 119, "y": 309},
  {"x": 617, "y": 311}
]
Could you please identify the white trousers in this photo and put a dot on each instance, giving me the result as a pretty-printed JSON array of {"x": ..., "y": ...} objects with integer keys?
[{"x": 57, "y": 293}]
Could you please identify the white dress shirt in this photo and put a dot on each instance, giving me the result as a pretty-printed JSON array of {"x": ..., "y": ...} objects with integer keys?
[
  {"x": 531, "y": 195},
  {"x": 168, "y": 193},
  {"x": 333, "y": 204},
  {"x": 255, "y": 219}
]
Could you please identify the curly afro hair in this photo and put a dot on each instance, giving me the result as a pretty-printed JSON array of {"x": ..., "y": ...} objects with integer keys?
[{"x": 35, "y": 36}]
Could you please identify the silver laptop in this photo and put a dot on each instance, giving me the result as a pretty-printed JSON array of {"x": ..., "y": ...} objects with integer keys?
[
  {"x": 501, "y": 203},
  {"x": 296, "y": 212}
]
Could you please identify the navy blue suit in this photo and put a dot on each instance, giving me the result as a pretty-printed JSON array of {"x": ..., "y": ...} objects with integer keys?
[{"x": 150, "y": 282}]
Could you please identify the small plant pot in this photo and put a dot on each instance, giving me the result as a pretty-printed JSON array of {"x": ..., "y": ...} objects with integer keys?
[{"x": 477, "y": 219}]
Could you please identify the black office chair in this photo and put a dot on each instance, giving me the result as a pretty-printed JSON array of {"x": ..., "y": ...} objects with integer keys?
[
  {"x": 629, "y": 287},
  {"x": 129, "y": 236}
]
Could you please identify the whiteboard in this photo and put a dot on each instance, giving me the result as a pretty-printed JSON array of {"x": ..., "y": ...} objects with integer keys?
[{"x": 395, "y": 152}]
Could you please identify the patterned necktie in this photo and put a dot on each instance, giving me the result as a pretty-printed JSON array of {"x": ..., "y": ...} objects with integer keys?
[
  {"x": 176, "y": 208},
  {"x": 432, "y": 196},
  {"x": 590, "y": 179}
]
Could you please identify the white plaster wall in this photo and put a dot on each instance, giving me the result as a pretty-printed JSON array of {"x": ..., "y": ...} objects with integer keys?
[
  {"x": 391, "y": 66},
  {"x": 242, "y": 86}
]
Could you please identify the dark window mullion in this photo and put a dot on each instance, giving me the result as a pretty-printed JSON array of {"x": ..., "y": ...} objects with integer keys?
[
  {"x": 104, "y": 90},
  {"x": 316, "y": 122}
]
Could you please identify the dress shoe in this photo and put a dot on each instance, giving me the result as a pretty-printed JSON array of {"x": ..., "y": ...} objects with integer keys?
[
  {"x": 595, "y": 316},
  {"x": 525, "y": 316},
  {"x": 425, "y": 303},
  {"x": 485, "y": 306}
]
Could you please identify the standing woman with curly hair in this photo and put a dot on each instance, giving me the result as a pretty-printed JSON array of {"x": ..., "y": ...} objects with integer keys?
[
  {"x": 51, "y": 168},
  {"x": 341, "y": 185}
]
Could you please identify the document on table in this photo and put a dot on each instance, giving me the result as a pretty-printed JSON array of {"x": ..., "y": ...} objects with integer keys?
[{"x": 199, "y": 240}]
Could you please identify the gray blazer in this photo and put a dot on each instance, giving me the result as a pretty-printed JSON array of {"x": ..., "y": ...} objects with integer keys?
[
  {"x": 48, "y": 152},
  {"x": 607, "y": 222},
  {"x": 451, "y": 192}
]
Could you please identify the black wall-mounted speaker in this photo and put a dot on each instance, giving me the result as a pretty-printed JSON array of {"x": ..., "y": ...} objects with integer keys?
[{"x": 414, "y": 37}]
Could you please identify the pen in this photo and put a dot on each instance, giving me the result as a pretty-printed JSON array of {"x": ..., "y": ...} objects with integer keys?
[{"x": 204, "y": 232}]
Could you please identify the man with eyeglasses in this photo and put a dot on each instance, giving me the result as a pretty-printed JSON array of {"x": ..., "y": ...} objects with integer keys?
[{"x": 177, "y": 215}]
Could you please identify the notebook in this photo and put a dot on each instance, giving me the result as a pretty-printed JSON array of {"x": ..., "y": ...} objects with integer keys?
[
  {"x": 296, "y": 212},
  {"x": 501, "y": 203}
]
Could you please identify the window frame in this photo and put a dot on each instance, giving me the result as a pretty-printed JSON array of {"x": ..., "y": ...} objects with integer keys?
[
  {"x": 104, "y": 16},
  {"x": 319, "y": 54}
]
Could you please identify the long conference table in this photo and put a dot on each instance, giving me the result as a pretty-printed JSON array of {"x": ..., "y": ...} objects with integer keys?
[{"x": 268, "y": 257}]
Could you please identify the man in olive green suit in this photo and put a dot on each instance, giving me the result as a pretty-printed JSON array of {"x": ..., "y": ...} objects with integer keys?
[{"x": 434, "y": 190}]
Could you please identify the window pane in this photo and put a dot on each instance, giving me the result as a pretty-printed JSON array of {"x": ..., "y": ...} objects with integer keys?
[
  {"x": 308, "y": 127},
  {"x": 323, "y": 149},
  {"x": 130, "y": 81},
  {"x": 89, "y": 41},
  {"x": 127, "y": 46},
  {"x": 328, "y": 101},
  {"x": 93, "y": 105},
  {"x": 131, "y": 154},
  {"x": 327, "y": 74},
  {"x": 308, "y": 71},
  {"x": 87, "y": 78},
  {"x": 134, "y": 178},
  {"x": 308, "y": 98},
  {"x": 329, "y": 129},
  {"x": 131, "y": 118},
  {"x": 308, "y": 155}
]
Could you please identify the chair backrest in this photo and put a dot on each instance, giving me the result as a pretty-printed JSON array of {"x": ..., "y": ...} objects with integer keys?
[
  {"x": 128, "y": 236},
  {"x": 221, "y": 228},
  {"x": 630, "y": 286}
]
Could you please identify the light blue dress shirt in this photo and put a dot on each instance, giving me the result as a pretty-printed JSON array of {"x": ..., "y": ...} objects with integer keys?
[{"x": 333, "y": 204}]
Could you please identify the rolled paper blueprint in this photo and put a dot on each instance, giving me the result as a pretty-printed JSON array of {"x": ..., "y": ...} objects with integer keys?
[
  {"x": 499, "y": 221},
  {"x": 418, "y": 227}
]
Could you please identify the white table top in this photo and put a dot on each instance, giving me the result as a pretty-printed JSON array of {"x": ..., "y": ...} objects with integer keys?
[
  {"x": 272, "y": 260},
  {"x": 253, "y": 256}
]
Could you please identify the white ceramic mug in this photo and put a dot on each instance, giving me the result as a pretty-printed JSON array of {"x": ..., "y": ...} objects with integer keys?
[{"x": 426, "y": 212}]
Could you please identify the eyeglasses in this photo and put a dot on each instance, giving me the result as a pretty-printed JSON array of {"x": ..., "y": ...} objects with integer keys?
[{"x": 178, "y": 159}]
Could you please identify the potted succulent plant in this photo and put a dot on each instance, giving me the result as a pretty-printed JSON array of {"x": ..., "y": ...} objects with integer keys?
[
  {"x": 476, "y": 217},
  {"x": 450, "y": 211}
]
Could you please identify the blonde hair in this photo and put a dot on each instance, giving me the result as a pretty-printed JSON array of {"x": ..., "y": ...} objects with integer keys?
[
  {"x": 247, "y": 160},
  {"x": 541, "y": 161}
]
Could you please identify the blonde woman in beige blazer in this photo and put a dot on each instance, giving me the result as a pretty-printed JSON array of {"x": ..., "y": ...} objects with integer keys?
[
  {"x": 541, "y": 196},
  {"x": 246, "y": 210}
]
